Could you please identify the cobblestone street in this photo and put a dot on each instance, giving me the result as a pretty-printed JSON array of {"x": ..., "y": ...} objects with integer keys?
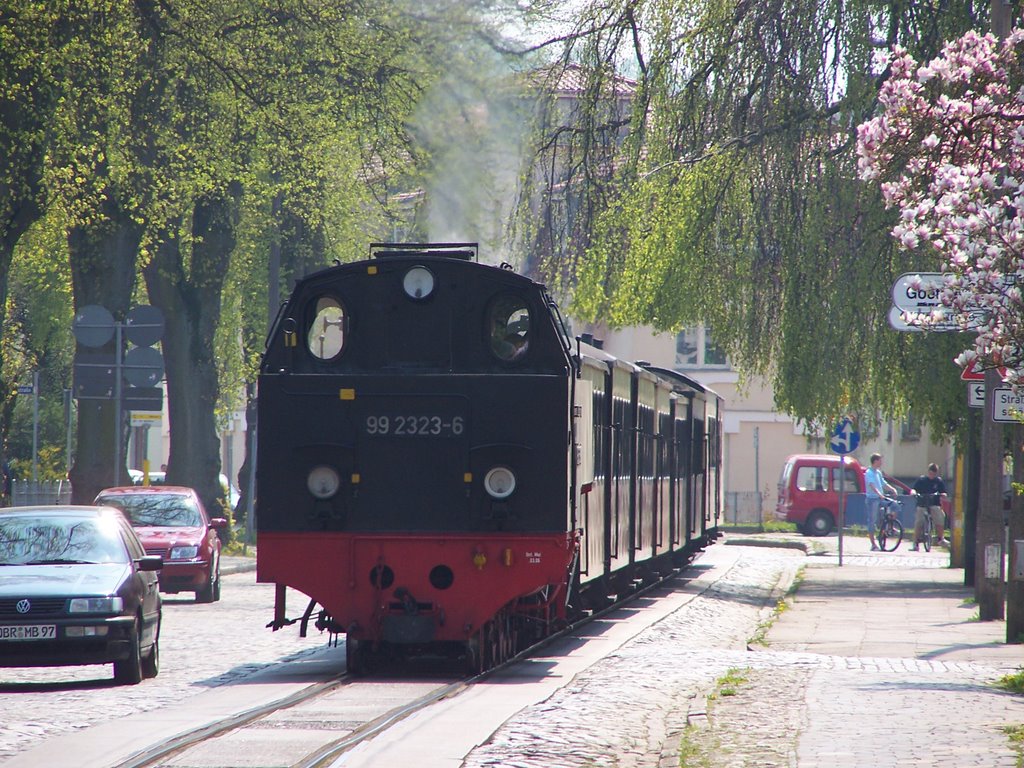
[
  {"x": 876, "y": 663},
  {"x": 201, "y": 646}
]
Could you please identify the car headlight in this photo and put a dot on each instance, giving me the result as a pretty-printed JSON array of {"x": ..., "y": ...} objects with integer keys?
[
  {"x": 96, "y": 605},
  {"x": 323, "y": 482},
  {"x": 499, "y": 482},
  {"x": 184, "y": 553}
]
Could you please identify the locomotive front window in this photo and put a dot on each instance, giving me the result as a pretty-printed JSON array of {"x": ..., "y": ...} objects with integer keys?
[
  {"x": 327, "y": 333},
  {"x": 508, "y": 323}
]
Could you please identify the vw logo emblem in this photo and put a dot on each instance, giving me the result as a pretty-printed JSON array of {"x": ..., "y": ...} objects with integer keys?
[{"x": 23, "y": 606}]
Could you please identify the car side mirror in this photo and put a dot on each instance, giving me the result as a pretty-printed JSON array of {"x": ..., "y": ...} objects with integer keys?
[
  {"x": 219, "y": 522},
  {"x": 150, "y": 563}
]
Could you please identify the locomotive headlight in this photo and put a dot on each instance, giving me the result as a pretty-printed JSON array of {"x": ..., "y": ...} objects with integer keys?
[
  {"x": 418, "y": 283},
  {"x": 323, "y": 482},
  {"x": 500, "y": 482}
]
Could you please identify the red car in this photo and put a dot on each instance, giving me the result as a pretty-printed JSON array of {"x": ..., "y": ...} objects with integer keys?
[
  {"x": 172, "y": 523},
  {"x": 809, "y": 491}
]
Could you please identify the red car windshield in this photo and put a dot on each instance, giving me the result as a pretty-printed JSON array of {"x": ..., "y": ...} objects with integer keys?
[{"x": 146, "y": 510}]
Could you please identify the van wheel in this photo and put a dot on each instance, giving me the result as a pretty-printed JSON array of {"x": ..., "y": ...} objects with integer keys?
[{"x": 819, "y": 523}]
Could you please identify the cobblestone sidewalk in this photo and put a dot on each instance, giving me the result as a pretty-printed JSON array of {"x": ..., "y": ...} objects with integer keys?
[{"x": 624, "y": 710}]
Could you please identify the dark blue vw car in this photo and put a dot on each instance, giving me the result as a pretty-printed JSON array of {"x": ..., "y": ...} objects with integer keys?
[{"x": 76, "y": 587}]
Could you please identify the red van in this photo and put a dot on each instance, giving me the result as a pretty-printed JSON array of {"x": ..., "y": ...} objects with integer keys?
[{"x": 809, "y": 491}]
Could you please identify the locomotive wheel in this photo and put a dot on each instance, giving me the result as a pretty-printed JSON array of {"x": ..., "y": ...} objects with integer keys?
[
  {"x": 355, "y": 656},
  {"x": 474, "y": 658},
  {"x": 491, "y": 645}
]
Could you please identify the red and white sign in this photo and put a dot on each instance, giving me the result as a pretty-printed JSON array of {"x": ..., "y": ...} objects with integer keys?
[{"x": 974, "y": 372}]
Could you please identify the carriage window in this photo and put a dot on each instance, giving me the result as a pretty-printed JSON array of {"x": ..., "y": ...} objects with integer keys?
[
  {"x": 508, "y": 322},
  {"x": 327, "y": 333}
]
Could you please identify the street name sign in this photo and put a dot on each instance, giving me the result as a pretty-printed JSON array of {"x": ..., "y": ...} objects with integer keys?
[
  {"x": 918, "y": 291},
  {"x": 1006, "y": 404}
]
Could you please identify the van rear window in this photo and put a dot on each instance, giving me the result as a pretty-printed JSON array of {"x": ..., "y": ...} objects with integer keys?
[{"x": 812, "y": 479}]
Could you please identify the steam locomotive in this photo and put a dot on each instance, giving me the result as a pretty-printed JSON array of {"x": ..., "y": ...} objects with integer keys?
[{"x": 442, "y": 467}]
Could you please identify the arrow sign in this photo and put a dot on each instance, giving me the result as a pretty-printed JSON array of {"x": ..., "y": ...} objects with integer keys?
[
  {"x": 975, "y": 395},
  {"x": 845, "y": 437}
]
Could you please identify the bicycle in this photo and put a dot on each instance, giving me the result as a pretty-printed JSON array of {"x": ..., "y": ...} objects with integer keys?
[
  {"x": 927, "y": 528},
  {"x": 890, "y": 529}
]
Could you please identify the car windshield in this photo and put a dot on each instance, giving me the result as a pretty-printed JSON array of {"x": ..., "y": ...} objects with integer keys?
[
  {"x": 155, "y": 509},
  {"x": 43, "y": 540}
]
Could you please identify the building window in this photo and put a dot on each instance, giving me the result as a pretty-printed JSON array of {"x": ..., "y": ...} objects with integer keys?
[
  {"x": 695, "y": 348},
  {"x": 910, "y": 429}
]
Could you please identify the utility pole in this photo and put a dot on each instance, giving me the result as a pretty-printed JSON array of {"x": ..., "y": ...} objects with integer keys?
[
  {"x": 1015, "y": 585},
  {"x": 972, "y": 474},
  {"x": 989, "y": 584},
  {"x": 989, "y": 587}
]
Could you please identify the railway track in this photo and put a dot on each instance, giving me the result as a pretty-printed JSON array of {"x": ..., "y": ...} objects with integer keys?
[{"x": 337, "y": 715}]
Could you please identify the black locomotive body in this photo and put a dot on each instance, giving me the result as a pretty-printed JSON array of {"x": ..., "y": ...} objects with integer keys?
[{"x": 441, "y": 466}]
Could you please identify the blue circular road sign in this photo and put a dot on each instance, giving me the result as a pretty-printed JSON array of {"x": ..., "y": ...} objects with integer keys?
[{"x": 845, "y": 437}]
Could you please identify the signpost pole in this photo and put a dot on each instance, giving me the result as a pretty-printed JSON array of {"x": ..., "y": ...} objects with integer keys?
[
  {"x": 117, "y": 403},
  {"x": 845, "y": 439},
  {"x": 35, "y": 426},
  {"x": 989, "y": 585},
  {"x": 842, "y": 506}
]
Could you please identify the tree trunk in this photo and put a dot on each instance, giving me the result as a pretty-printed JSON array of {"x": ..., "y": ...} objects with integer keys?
[
  {"x": 103, "y": 259},
  {"x": 191, "y": 306}
]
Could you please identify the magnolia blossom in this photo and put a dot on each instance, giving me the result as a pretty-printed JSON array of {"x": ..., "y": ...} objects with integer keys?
[{"x": 947, "y": 149}]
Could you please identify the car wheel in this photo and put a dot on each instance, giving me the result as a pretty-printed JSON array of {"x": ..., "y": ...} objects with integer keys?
[
  {"x": 151, "y": 664},
  {"x": 819, "y": 523},
  {"x": 129, "y": 671},
  {"x": 210, "y": 593}
]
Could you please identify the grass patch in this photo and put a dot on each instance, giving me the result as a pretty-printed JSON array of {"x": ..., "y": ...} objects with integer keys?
[
  {"x": 798, "y": 581},
  {"x": 1014, "y": 683},
  {"x": 768, "y": 526},
  {"x": 692, "y": 751},
  {"x": 1015, "y": 733},
  {"x": 729, "y": 683},
  {"x": 976, "y": 616},
  {"x": 969, "y": 601},
  {"x": 698, "y": 746},
  {"x": 761, "y": 632},
  {"x": 779, "y": 526}
]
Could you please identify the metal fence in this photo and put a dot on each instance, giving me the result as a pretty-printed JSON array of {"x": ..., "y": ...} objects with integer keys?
[
  {"x": 26, "y": 493},
  {"x": 744, "y": 508}
]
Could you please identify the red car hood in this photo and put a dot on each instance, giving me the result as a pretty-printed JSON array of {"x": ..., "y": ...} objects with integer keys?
[{"x": 165, "y": 536}]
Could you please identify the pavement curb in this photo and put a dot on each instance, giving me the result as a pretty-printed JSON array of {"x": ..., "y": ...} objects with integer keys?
[
  {"x": 807, "y": 548},
  {"x": 245, "y": 566}
]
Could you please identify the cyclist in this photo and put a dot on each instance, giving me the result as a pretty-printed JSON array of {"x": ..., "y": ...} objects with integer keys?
[
  {"x": 875, "y": 488},
  {"x": 929, "y": 489}
]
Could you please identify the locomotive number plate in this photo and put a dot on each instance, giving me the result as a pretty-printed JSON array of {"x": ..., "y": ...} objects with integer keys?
[{"x": 414, "y": 425}]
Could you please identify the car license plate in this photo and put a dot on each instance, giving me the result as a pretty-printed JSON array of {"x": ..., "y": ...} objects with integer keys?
[{"x": 28, "y": 632}]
